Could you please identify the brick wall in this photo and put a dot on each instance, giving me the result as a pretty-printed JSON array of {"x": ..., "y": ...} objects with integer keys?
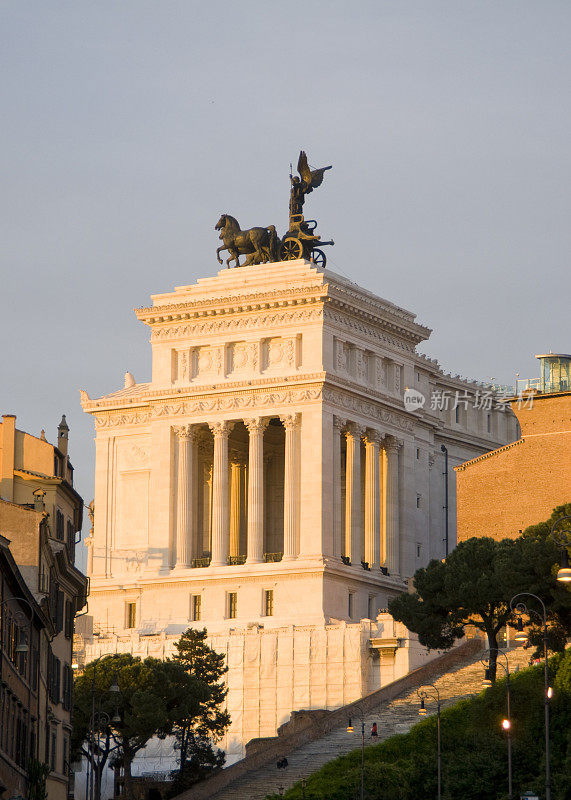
[{"x": 502, "y": 492}]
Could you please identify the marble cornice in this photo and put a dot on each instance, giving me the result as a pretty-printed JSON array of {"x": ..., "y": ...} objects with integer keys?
[
  {"x": 212, "y": 324},
  {"x": 389, "y": 320},
  {"x": 205, "y": 576},
  {"x": 193, "y": 317},
  {"x": 245, "y": 302},
  {"x": 263, "y": 394},
  {"x": 148, "y": 402},
  {"x": 352, "y": 398}
]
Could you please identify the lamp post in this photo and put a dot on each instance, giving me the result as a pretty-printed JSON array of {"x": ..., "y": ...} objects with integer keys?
[
  {"x": 93, "y": 760},
  {"x": 350, "y": 729},
  {"x": 520, "y": 608},
  {"x": 506, "y": 723},
  {"x": 425, "y": 692},
  {"x": 563, "y": 539}
]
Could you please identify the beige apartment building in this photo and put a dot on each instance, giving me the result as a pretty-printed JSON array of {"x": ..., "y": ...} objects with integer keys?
[{"x": 40, "y": 516}]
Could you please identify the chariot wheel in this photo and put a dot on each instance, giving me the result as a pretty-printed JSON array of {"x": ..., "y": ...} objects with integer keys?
[
  {"x": 291, "y": 249},
  {"x": 318, "y": 257}
]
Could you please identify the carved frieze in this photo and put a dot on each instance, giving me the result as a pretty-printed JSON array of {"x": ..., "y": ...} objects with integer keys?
[
  {"x": 366, "y": 408},
  {"x": 251, "y": 322}
]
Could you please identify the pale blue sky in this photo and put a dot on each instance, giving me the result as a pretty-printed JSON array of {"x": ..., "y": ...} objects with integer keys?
[{"x": 128, "y": 127}]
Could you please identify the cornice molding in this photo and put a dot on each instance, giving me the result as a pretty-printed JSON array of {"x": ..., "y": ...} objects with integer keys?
[
  {"x": 370, "y": 409},
  {"x": 246, "y": 322}
]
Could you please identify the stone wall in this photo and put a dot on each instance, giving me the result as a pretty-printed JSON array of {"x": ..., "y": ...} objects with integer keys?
[{"x": 500, "y": 493}]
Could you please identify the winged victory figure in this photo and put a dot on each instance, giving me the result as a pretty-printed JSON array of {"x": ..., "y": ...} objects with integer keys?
[{"x": 308, "y": 181}]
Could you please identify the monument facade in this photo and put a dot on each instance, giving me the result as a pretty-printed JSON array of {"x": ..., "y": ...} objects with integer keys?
[{"x": 269, "y": 483}]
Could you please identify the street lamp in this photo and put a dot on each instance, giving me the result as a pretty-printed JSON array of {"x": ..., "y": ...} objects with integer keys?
[
  {"x": 507, "y": 722},
  {"x": 563, "y": 539},
  {"x": 93, "y": 787},
  {"x": 350, "y": 729},
  {"x": 429, "y": 692},
  {"x": 521, "y": 608}
]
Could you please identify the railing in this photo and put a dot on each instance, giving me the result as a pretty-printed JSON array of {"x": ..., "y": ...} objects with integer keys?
[
  {"x": 270, "y": 558},
  {"x": 523, "y": 384},
  {"x": 235, "y": 560},
  {"x": 201, "y": 562}
]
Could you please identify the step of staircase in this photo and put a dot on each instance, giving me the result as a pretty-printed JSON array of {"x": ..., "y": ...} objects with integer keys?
[{"x": 395, "y": 717}]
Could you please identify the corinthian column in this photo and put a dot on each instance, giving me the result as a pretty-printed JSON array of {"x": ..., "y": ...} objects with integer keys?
[
  {"x": 185, "y": 500},
  {"x": 291, "y": 492},
  {"x": 338, "y": 426},
  {"x": 372, "y": 500},
  {"x": 221, "y": 431},
  {"x": 235, "y": 510},
  {"x": 255, "y": 548},
  {"x": 392, "y": 447},
  {"x": 353, "y": 494}
]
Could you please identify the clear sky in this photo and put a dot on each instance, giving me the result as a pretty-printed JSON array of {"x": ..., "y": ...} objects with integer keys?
[{"x": 129, "y": 127}]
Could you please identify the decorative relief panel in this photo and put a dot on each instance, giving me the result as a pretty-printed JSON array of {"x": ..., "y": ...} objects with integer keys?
[
  {"x": 361, "y": 365},
  {"x": 243, "y": 357},
  {"x": 133, "y": 456},
  {"x": 280, "y": 352},
  {"x": 380, "y": 373},
  {"x": 340, "y": 356}
]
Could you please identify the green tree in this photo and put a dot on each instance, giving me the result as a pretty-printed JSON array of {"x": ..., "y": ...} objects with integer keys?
[
  {"x": 154, "y": 697},
  {"x": 474, "y": 587},
  {"x": 196, "y": 734}
]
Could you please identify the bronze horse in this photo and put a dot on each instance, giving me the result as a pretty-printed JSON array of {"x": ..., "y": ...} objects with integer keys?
[{"x": 257, "y": 244}]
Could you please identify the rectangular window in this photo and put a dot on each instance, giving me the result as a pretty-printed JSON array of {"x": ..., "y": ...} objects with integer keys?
[
  {"x": 418, "y": 498},
  {"x": 269, "y": 602},
  {"x": 418, "y": 453},
  {"x": 69, "y": 619},
  {"x": 130, "y": 615},
  {"x": 232, "y": 605},
  {"x": 371, "y": 608},
  {"x": 60, "y": 611},
  {"x": 418, "y": 550},
  {"x": 195, "y": 607},
  {"x": 53, "y": 754},
  {"x": 59, "y": 525},
  {"x": 457, "y": 414},
  {"x": 489, "y": 423},
  {"x": 350, "y": 605}
]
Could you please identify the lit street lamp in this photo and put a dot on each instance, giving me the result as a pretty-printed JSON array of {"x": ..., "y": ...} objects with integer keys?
[
  {"x": 563, "y": 539},
  {"x": 350, "y": 729},
  {"x": 507, "y": 722},
  {"x": 429, "y": 691},
  {"x": 521, "y": 608}
]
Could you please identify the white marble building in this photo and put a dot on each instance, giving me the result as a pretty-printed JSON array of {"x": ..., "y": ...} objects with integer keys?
[{"x": 269, "y": 484}]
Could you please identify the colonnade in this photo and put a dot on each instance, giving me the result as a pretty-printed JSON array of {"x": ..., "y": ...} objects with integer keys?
[
  {"x": 367, "y": 527},
  {"x": 365, "y": 522},
  {"x": 225, "y": 493}
]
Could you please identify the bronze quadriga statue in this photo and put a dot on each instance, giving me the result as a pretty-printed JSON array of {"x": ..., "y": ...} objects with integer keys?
[{"x": 260, "y": 245}]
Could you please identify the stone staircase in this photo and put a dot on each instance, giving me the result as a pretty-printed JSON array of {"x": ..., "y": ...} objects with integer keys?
[{"x": 397, "y": 716}]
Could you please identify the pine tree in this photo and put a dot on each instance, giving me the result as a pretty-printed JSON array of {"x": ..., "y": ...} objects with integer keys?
[{"x": 195, "y": 736}]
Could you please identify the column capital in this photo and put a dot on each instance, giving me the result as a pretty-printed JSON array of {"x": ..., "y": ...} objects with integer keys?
[
  {"x": 257, "y": 424},
  {"x": 186, "y": 432},
  {"x": 221, "y": 427},
  {"x": 356, "y": 430},
  {"x": 373, "y": 436},
  {"x": 289, "y": 421},
  {"x": 339, "y": 423},
  {"x": 392, "y": 444}
]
